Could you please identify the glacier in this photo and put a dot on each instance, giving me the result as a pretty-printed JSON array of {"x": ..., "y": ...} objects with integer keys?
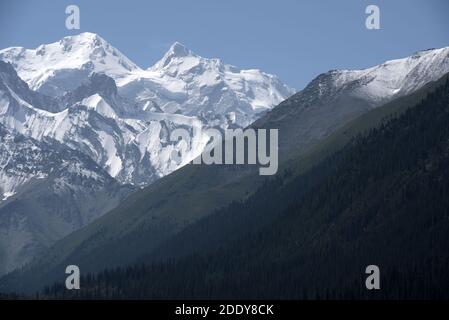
[{"x": 126, "y": 124}]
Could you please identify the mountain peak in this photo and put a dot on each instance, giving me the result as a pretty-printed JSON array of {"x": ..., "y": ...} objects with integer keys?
[
  {"x": 84, "y": 37},
  {"x": 86, "y": 40},
  {"x": 177, "y": 50},
  {"x": 90, "y": 35},
  {"x": 72, "y": 58}
]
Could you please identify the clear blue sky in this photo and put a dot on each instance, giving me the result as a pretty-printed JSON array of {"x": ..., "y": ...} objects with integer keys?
[{"x": 293, "y": 39}]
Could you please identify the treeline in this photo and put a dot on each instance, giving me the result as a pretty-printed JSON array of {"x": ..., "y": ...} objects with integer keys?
[{"x": 382, "y": 200}]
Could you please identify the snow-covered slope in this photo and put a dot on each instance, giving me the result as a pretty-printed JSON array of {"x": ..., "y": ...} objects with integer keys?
[
  {"x": 395, "y": 77},
  {"x": 133, "y": 147},
  {"x": 334, "y": 98},
  {"x": 181, "y": 82},
  {"x": 126, "y": 128}
]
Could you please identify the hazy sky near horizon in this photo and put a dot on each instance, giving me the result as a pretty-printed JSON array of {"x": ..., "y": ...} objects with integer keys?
[{"x": 296, "y": 40}]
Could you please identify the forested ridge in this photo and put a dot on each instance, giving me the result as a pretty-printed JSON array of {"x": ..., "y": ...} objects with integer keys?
[{"x": 382, "y": 200}]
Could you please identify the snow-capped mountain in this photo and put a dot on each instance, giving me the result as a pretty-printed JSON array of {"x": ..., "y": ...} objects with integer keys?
[
  {"x": 334, "y": 98},
  {"x": 62, "y": 66},
  {"x": 113, "y": 120},
  {"x": 126, "y": 128},
  {"x": 72, "y": 140},
  {"x": 392, "y": 78},
  {"x": 181, "y": 82},
  {"x": 132, "y": 147}
]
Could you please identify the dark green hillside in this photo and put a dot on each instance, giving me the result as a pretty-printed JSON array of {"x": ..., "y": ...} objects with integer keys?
[{"x": 383, "y": 199}]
